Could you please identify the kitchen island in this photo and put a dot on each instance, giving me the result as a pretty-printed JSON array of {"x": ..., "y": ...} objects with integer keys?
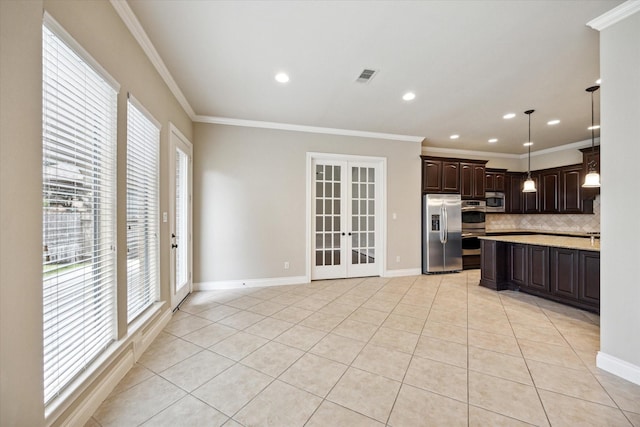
[{"x": 561, "y": 268}]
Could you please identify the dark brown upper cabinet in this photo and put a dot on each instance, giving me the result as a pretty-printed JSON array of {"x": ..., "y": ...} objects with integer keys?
[
  {"x": 549, "y": 191},
  {"x": 572, "y": 198},
  {"x": 495, "y": 180},
  {"x": 431, "y": 176},
  {"x": 559, "y": 190},
  {"x": 457, "y": 176},
  {"x": 514, "y": 197},
  {"x": 450, "y": 176},
  {"x": 472, "y": 185}
]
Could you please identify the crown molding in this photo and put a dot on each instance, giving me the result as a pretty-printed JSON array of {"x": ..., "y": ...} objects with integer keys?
[
  {"x": 573, "y": 145},
  {"x": 132, "y": 23},
  {"x": 615, "y": 15},
  {"x": 304, "y": 128},
  {"x": 458, "y": 152},
  {"x": 453, "y": 152}
]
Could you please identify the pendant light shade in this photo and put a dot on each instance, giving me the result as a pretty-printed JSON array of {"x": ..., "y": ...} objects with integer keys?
[
  {"x": 529, "y": 184},
  {"x": 592, "y": 179}
]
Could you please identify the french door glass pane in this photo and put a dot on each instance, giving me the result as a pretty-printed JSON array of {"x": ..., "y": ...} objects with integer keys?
[
  {"x": 328, "y": 190},
  {"x": 362, "y": 215}
]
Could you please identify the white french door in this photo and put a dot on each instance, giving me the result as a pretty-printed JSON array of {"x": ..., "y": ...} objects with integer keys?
[
  {"x": 346, "y": 202},
  {"x": 180, "y": 170}
]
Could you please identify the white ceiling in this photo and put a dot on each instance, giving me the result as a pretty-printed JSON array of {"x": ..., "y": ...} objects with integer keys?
[{"x": 469, "y": 63}]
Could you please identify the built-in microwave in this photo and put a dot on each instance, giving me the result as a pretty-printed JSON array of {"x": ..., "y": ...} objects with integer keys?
[{"x": 495, "y": 201}]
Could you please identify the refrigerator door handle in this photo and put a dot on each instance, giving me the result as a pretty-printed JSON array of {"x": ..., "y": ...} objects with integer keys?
[
  {"x": 442, "y": 224},
  {"x": 446, "y": 225}
]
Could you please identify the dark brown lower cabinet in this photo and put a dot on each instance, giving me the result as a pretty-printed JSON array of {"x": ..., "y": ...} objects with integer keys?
[
  {"x": 518, "y": 264},
  {"x": 589, "y": 278},
  {"x": 538, "y": 268},
  {"x": 568, "y": 276},
  {"x": 564, "y": 272}
]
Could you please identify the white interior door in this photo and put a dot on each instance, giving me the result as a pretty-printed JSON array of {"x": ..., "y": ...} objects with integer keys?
[
  {"x": 180, "y": 167},
  {"x": 346, "y": 201}
]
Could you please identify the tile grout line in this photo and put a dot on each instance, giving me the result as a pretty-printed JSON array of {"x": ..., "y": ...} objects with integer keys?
[
  {"x": 516, "y": 313},
  {"x": 535, "y": 387},
  {"x": 350, "y": 365},
  {"x": 542, "y": 309},
  {"x": 324, "y": 398},
  {"x": 276, "y": 378},
  {"x": 590, "y": 372},
  {"x": 414, "y": 348}
]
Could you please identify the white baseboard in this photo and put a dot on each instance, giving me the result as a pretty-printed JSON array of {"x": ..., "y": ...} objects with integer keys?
[
  {"x": 618, "y": 367},
  {"x": 147, "y": 337},
  {"x": 249, "y": 283},
  {"x": 401, "y": 273},
  {"x": 92, "y": 402},
  {"x": 141, "y": 340}
]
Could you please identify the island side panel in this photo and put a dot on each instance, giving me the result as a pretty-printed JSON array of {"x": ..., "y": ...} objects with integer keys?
[{"x": 493, "y": 265}]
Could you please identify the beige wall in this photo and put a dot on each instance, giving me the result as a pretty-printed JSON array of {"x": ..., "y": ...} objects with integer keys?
[
  {"x": 98, "y": 29},
  {"x": 620, "y": 101},
  {"x": 250, "y": 199},
  {"x": 21, "y": 214}
]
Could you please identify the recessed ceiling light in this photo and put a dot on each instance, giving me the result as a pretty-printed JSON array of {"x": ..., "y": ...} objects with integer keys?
[
  {"x": 282, "y": 77},
  {"x": 553, "y": 122},
  {"x": 454, "y": 136},
  {"x": 509, "y": 116},
  {"x": 493, "y": 140},
  {"x": 593, "y": 127},
  {"x": 598, "y": 81},
  {"x": 527, "y": 144},
  {"x": 409, "y": 96}
]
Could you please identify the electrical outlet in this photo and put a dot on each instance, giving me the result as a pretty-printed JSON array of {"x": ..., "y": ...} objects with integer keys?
[
  {"x": 286, "y": 265},
  {"x": 398, "y": 258}
]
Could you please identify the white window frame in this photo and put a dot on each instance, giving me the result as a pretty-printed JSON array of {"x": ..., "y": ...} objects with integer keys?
[
  {"x": 96, "y": 282},
  {"x": 143, "y": 233}
]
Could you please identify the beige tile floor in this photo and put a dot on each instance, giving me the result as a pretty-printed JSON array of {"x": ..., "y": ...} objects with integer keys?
[{"x": 410, "y": 351}]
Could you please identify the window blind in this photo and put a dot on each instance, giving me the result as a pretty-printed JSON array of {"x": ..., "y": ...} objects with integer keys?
[
  {"x": 79, "y": 166},
  {"x": 143, "y": 140}
]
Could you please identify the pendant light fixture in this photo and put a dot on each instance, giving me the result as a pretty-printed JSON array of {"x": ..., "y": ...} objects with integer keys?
[
  {"x": 529, "y": 184},
  {"x": 592, "y": 179}
]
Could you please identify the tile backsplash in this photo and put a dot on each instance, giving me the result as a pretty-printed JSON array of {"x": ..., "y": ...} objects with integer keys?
[{"x": 550, "y": 222}]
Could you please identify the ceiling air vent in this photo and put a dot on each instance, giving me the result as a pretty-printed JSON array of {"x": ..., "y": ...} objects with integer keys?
[{"x": 366, "y": 75}]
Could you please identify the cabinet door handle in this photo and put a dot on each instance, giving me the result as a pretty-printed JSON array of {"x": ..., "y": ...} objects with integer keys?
[{"x": 174, "y": 245}]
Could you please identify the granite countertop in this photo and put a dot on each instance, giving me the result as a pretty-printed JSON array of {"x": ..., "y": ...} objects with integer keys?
[
  {"x": 581, "y": 243},
  {"x": 543, "y": 232}
]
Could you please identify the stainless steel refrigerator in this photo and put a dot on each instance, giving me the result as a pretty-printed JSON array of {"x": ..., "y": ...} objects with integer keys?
[{"x": 441, "y": 233}]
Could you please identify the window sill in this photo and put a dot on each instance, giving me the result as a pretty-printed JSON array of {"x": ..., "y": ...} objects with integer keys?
[{"x": 85, "y": 394}]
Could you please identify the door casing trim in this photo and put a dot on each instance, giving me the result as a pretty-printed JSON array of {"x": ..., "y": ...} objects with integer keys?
[
  {"x": 311, "y": 156},
  {"x": 174, "y": 132}
]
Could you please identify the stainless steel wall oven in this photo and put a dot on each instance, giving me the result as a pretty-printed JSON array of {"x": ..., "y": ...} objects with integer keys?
[{"x": 473, "y": 225}]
